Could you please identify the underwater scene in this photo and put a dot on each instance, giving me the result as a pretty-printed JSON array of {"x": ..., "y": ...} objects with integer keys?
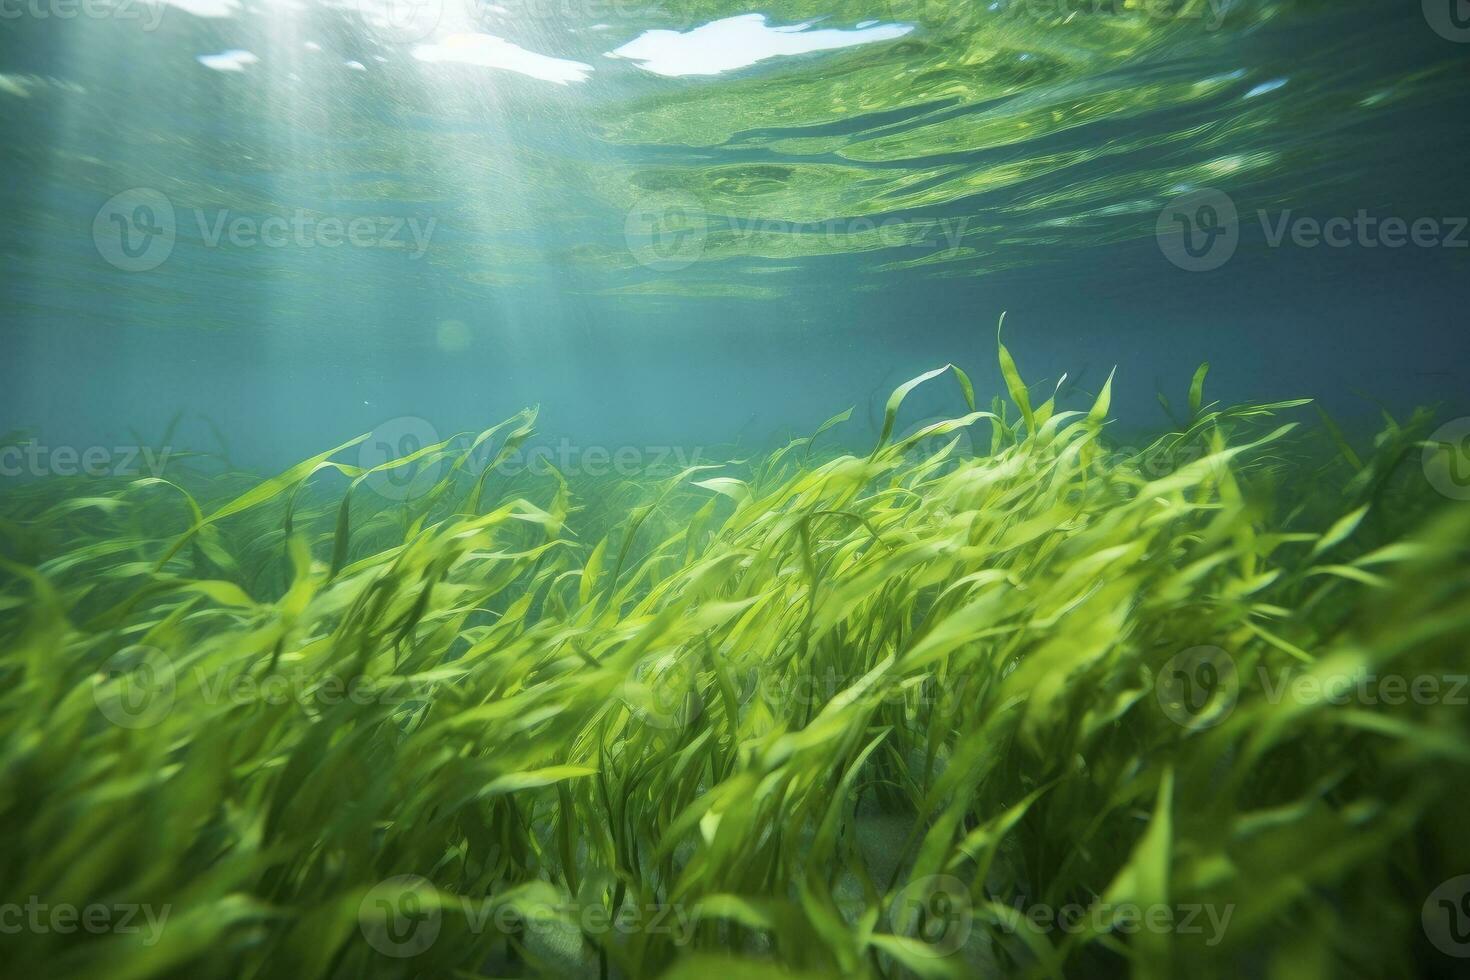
[{"x": 715, "y": 489}]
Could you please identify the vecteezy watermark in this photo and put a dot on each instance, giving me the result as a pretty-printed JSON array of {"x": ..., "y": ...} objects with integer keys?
[
  {"x": 403, "y": 916},
  {"x": 400, "y": 917},
  {"x": 400, "y": 439},
  {"x": 1199, "y": 231},
  {"x": 1446, "y": 459},
  {"x": 135, "y": 688},
  {"x": 1450, "y": 19},
  {"x": 1198, "y": 687},
  {"x": 1363, "y": 230},
  {"x": 625, "y": 461},
  {"x": 31, "y": 458},
  {"x": 307, "y": 688},
  {"x": 666, "y": 232},
  {"x": 136, "y": 230},
  {"x": 1096, "y": 917},
  {"x": 1365, "y": 688},
  {"x": 1445, "y": 916},
  {"x": 148, "y": 13},
  {"x": 659, "y": 690},
  {"x": 935, "y": 912},
  {"x": 669, "y": 232},
  {"x": 97, "y": 918},
  {"x": 138, "y": 687}
]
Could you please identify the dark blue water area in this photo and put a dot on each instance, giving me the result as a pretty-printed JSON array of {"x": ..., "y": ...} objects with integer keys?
[
  {"x": 286, "y": 352},
  {"x": 1351, "y": 327}
]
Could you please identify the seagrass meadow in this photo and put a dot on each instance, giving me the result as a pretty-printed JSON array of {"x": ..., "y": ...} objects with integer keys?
[
  {"x": 989, "y": 699},
  {"x": 734, "y": 490}
]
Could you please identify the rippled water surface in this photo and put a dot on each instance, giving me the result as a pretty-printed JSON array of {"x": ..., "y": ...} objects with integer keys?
[{"x": 637, "y": 210}]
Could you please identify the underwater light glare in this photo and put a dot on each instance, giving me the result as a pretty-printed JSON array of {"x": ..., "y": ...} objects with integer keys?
[
  {"x": 206, "y": 8},
  {"x": 232, "y": 60}
]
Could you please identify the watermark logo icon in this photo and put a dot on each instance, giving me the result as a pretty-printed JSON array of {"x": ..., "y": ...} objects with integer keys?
[
  {"x": 1447, "y": 459},
  {"x": 1445, "y": 916},
  {"x": 398, "y": 439},
  {"x": 400, "y": 917},
  {"x": 149, "y": 12},
  {"x": 657, "y": 690},
  {"x": 135, "y": 230},
  {"x": 666, "y": 232},
  {"x": 135, "y": 687},
  {"x": 402, "y": 21},
  {"x": 1198, "y": 231},
  {"x": 934, "y": 911},
  {"x": 1450, "y": 19},
  {"x": 1197, "y": 688}
]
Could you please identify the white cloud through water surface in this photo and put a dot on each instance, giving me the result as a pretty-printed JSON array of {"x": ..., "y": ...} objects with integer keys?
[
  {"x": 489, "y": 51},
  {"x": 741, "y": 41},
  {"x": 714, "y": 48}
]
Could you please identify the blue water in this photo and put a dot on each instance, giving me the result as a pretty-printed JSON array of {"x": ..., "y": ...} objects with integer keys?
[{"x": 1049, "y": 138}]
